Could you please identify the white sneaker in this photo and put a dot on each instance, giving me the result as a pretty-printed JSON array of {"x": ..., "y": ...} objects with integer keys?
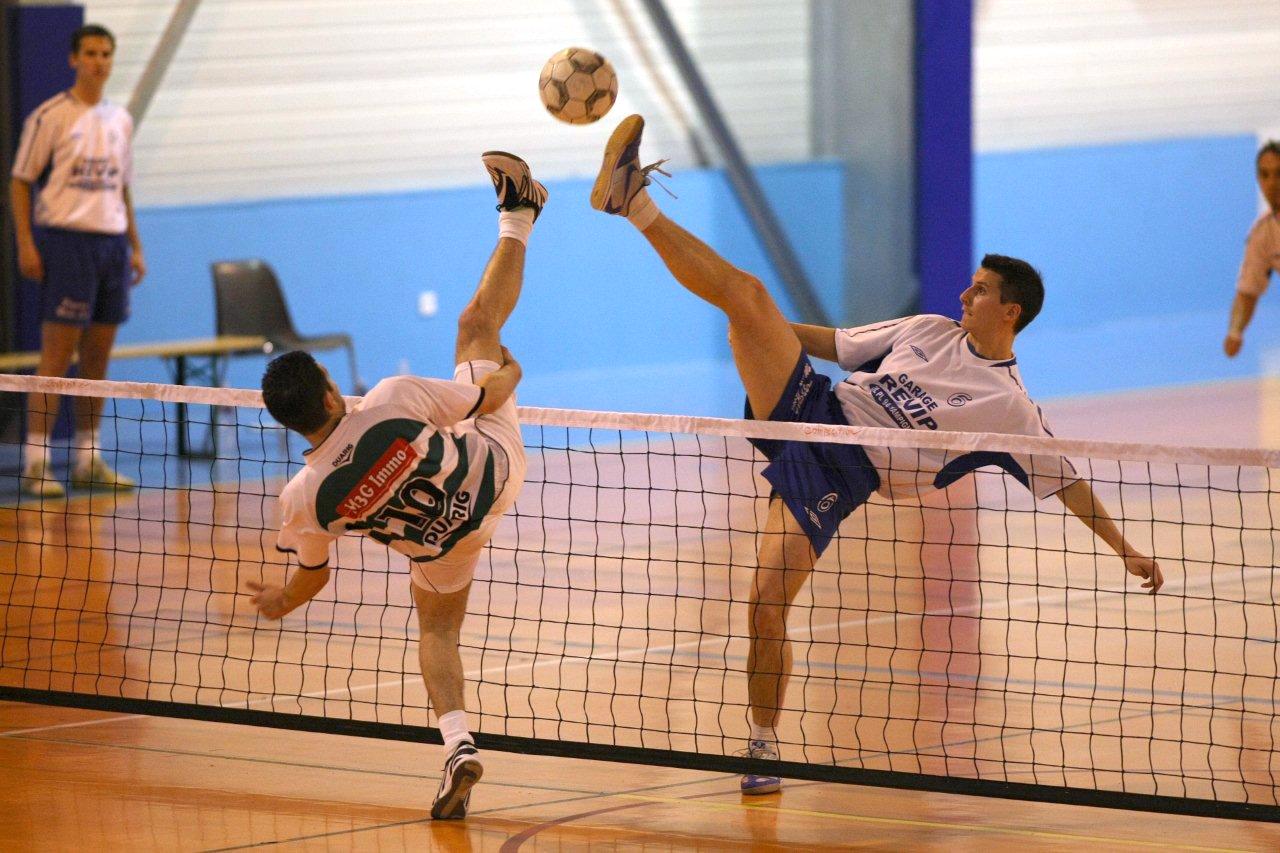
[
  {"x": 514, "y": 183},
  {"x": 99, "y": 473},
  {"x": 37, "y": 480},
  {"x": 462, "y": 770},
  {"x": 754, "y": 783}
]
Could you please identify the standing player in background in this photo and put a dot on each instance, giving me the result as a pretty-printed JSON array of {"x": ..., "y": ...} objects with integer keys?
[
  {"x": 925, "y": 372},
  {"x": 426, "y": 466},
  {"x": 84, "y": 249},
  {"x": 1261, "y": 249}
]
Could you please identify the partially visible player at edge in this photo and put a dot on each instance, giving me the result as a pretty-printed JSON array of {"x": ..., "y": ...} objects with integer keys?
[
  {"x": 426, "y": 466},
  {"x": 924, "y": 372},
  {"x": 1261, "y": 250}
]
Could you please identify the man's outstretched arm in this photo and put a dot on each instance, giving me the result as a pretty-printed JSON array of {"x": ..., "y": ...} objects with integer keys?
[
  {"x": 275, "y": 601},
  {"x": 1241, "y": 314},
  {"x": 818, "y": 341},
  {"x": 1080, "y": 499}
]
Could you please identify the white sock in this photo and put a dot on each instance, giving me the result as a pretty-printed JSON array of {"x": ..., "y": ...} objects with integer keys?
[
  {"x": 643, "y": 210},
  {"x": 516, "y": 224},
  {"x": 453, "y": 727},
  {"x": 764, "y": 733},
  {"x": 84, "y": 445},
  {"x": 36, "y": 450}
]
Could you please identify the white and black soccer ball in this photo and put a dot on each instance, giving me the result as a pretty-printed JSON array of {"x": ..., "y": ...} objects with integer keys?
[{"x": 578, "y": 85}]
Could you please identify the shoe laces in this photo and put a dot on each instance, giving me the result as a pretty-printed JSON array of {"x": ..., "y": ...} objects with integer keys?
[{"x": 647, "y": 174}]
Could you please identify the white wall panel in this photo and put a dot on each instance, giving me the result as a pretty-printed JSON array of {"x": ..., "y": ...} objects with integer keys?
[
  {"x": 270, "y": 98},
  {"x": 1066, "y": 72}
]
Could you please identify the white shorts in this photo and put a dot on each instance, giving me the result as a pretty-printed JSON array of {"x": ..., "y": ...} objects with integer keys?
[{"x": 501, "y": 429}]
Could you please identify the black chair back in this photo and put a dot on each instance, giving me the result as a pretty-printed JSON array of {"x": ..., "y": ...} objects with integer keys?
[{"x": 249, "y": 300}]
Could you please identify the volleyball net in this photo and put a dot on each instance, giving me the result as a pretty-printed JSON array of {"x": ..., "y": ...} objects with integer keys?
[{"x": 975, "y": 640}]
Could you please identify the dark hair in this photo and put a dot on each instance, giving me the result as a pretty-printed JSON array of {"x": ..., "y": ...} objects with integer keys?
[
  {"x": 293, "y": 387},
  {"x": 90, "y": 31},
  {"x": 1271, "y": 146},
  {"x": 1020, "y": 283}
]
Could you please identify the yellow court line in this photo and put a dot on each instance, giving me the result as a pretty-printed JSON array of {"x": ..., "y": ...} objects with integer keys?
[{"x": 930, "y": 824}]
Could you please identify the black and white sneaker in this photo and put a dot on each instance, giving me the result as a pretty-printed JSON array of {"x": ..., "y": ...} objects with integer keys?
[
  {"x": 621, "y": 176},
  {"x": 514, "y": 182},
  {"x": 462, "y": 770}
]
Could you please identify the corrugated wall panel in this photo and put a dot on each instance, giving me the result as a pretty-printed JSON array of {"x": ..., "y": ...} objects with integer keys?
[
  {"x": 1050, "y": 73},
  {"x": 270, "y": 98}
]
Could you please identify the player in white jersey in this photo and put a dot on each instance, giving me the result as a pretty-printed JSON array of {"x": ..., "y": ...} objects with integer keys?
[
  {"x": 83, "y": 249},
  {"x": 924, "y": 372},
  {"x": 426, "y": 466},
  {"x": 1261, "y": 250}
]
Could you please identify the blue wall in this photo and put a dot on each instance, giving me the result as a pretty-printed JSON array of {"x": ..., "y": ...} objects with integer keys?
[
  {"x": 1139, "y": 245},
  {"x": 600, "y": 324}
]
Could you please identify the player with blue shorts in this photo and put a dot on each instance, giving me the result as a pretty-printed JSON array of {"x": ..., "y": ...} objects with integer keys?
[
  {"x": 80, "y": 242},
  {"x": 926, "y": 372}
]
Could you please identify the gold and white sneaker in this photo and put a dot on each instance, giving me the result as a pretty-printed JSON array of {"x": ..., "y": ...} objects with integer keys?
[
  {"x": 99, "y": 474},
  {"x": 37, "y": 480}
]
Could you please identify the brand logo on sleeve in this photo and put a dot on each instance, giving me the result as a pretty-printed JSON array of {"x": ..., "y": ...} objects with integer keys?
[
  {"x": 345, "y": 456},
  {"x": 919, "y": 353},
  {"x": 377, "y": 481}
]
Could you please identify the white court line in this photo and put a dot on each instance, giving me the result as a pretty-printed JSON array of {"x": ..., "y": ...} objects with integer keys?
[{"x": 99, "y": 721}]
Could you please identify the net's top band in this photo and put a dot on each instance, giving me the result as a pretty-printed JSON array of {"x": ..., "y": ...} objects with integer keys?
[{"x": 632, "y": 421}]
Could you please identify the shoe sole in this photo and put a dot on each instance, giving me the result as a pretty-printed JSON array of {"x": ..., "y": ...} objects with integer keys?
[
  {"x": 518, "y": 159},
  {"x": 767, "y": 788},
  {"x": 618, "y": 142},
  {"x": 452, "y": 805}
]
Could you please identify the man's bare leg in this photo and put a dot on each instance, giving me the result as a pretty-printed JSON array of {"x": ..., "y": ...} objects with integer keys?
[
  {"x": 784, "y": 562},
  {"x": 520, "y": 200},
  {"x": 88, "y": 468},
  {"x": 440, "y": 618},
  {"x": 481, "y": 321},
  {"x": 765, "y": 348},
  {"x": 58, "y": 344}
]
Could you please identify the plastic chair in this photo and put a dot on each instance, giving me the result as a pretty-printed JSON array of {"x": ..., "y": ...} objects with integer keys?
[{"x": 249, "y": 301}]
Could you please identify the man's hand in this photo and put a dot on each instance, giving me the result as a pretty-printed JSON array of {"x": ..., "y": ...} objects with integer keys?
[
  {"x": 509, "y": 360},
  {"x": 1232, "y": 344},
  {"x": 29, "y": 261},
  {"x": 269, "y": 598},
  {"x": 1147, "y": 569},
  {"x": 138, "y": 265}
]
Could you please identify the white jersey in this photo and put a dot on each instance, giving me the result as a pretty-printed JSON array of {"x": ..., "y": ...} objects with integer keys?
[
  {"x": 922, "y": 373},
  {"x": 1261, "y": 256},
  {"x": 87, "y": 150},
  {"x": 405, "y": 466}
]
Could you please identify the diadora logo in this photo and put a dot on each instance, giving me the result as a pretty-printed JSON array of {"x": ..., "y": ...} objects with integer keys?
[
  {"x": 345, "y": 456},
  {"x": 827, "y": 502},
  {"x": 958, "y": 399},
  {"x": 919, "y": 353},
  {"x": 813, "y": 516}
]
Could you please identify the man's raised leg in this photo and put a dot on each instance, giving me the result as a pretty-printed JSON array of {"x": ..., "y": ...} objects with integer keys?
[
  {"x": 520, "y": 200},
  {"x": 765, "y": 348}
]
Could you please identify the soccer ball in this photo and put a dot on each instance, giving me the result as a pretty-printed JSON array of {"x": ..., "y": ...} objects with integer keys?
[{"x": 578, "y": 85}]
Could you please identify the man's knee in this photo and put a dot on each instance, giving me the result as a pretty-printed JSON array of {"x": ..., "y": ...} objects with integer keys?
[{"x": 476, "y": 324}]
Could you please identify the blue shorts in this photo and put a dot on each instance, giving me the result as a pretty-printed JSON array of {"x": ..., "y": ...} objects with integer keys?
[
  {"x": 820, "y": 483},
  {"x": 86, "y": 276}
]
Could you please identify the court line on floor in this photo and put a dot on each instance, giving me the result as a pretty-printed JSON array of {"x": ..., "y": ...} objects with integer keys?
[{"x": 115, "y": 718}]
